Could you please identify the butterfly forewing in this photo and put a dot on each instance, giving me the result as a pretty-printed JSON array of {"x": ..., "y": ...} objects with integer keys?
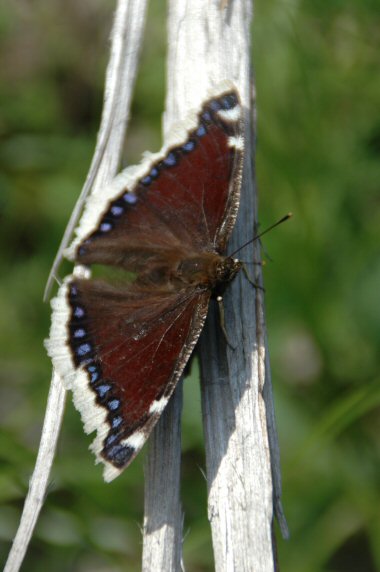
[
  {"x": 186, "y": 197},
  {"x": 121, "y": 347}
]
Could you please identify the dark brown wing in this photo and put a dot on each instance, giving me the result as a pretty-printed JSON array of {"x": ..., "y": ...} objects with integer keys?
[
  {"x": 122, "y": 349},
  {"x": 129, "y": 348},
  {"x": 187, "y": 198}
]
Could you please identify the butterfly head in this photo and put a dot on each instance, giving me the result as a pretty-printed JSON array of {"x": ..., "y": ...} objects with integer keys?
[{"x": 227, "y": 269}]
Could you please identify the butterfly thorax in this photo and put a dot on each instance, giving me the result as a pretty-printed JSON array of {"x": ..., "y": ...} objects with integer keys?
[{"x": 207, "y": 269}]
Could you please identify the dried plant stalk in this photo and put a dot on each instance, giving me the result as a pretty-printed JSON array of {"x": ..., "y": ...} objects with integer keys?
[
  {"x": 121, "y": 71},
  {"x": 209, "y": 42}
]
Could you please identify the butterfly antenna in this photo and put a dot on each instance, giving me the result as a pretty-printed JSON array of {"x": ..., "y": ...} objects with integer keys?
[{"x": 283, "y": 219}]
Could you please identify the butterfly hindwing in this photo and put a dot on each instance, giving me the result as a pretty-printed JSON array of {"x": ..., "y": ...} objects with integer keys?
[{"x": 124, "y": 368}]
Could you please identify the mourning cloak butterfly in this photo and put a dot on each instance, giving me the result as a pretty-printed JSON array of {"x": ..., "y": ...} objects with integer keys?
[{"x": 121, "y": 345}]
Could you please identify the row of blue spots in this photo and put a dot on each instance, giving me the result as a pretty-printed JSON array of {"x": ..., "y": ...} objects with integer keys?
[
  {"x": 117, "y": 209},
  {"x": 171, "y": 158},
  {"x": 83, "y": 352},
  {"x": 113, "y": 451},
  {"x": 83, "y": 349},
  {"x": 226, "y": 102},
  {"x": 79, "y": 345},
  {"x": 103, "y": 389}
]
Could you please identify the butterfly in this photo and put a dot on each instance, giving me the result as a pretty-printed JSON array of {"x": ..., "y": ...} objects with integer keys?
[{"x": 121, "y": 342}]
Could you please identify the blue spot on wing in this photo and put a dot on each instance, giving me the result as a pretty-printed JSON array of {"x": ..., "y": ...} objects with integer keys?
[
  {"x": 79, "y": 333},
  {"x": 113, "y": 404},
  {"x": 170, "y": 160},
  {"x": 189, "y": 145},
  {"x": 206, "y": 116},
  {"x": 111, "y": 439},
  {"x": 94, "y": 377},
  {"x": 116, "y": 422},
  {"x": 105, "y": 227},
  {"x": 201, "y": 131},
  {"x": 119, "y": 455},
  {"x": 103, "y": 389},
  {"x": 83, "y": 349},
  {"x": 79, "y": 312},
  {"x": 146, "y": 180},
  {"x": 117, "y": 210},
  {"x": 130, "y": 198},
  {"x": 73, "y": 290}
]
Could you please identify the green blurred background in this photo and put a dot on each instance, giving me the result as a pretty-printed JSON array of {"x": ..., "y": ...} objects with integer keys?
[{"x": 318, "y": 92}]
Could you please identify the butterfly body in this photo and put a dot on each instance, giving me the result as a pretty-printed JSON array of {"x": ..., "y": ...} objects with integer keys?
[
  {"x": 121, "y": 344},
  {"x": 163, "y": 267}
]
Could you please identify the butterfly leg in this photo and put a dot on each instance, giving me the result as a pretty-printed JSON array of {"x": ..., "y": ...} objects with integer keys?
[
  {"x": 219, "y": 299},
  {"x": 254, "y": 284}
]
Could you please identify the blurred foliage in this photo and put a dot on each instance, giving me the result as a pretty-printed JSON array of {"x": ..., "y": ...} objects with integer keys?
[{"x": 318, "y": 96}]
